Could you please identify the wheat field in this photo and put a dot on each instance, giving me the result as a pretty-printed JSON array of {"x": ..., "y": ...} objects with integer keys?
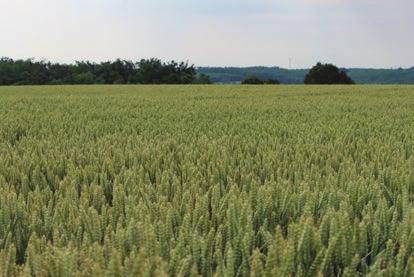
[{"x": 207, "y": 181}]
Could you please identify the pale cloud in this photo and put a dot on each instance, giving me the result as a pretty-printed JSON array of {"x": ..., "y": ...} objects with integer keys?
[{"x": 243, "y": 32}]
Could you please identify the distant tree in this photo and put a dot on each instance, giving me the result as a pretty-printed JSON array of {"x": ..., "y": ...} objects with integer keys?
[
  {"x": 296, "y": 76},
  {"x": 272, "y": 82},
  {"x": 154, "y": 71},
  {"x": 84, "y": 78},
  {"x": 203, "y": 79},
  {"x": 150, "y": 71},
  {"x": 252, "y": 80},
  {"x": 327, "y": 74}
]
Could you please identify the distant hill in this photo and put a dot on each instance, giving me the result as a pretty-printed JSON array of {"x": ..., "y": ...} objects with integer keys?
[{"x": 296, "y": 76}]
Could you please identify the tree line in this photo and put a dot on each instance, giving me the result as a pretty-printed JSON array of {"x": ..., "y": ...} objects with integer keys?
[
  {"x": 146, "y": 71},
  {"x": 254, "y": 80},
  {"x": 233, "y": 75},
  {"x": 325, "y": 74}
]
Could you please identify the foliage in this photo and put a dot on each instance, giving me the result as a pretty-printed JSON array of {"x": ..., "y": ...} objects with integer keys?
[
  {"x": 237, "y": 74},
  {"x": 151, "y": 71},
  {"x": 272, "y": 82},
  {"x": 327, "y": 74},
  {"x": 382, "y": 76},
  {"x": 203, "y": 79},
  {"x": 252, "y": 80},
  {"x": 207, "y": 181},
  {"x": 296, "y": 76}
]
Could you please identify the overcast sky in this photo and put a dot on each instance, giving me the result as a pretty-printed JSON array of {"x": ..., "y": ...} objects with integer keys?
[{"x": 349, "y": 33}]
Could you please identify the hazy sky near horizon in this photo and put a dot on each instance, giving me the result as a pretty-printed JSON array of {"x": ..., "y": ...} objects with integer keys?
[{"x": 349, "y": 33}]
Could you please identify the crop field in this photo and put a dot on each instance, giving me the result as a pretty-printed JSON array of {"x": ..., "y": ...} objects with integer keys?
[{"x": 207, "y": 181}]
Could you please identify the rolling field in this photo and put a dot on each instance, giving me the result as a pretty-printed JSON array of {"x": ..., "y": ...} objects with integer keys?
[{"x": 207, "y": 181}]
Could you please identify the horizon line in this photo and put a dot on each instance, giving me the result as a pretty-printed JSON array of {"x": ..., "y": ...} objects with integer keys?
[{"x": 206, "y": 66}]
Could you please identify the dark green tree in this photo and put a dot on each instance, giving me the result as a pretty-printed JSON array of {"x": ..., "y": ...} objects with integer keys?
[
  {"x": 327, "y": 74},
  {"x": 154, "y": 71}
]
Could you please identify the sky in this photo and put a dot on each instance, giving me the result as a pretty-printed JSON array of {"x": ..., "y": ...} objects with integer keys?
[{"x": 295, "y": 33}]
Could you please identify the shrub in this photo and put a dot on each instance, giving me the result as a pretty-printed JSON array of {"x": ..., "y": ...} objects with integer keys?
[
  {"x": 252, "y": 80},
  {"x": 272, "y": 82}
]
